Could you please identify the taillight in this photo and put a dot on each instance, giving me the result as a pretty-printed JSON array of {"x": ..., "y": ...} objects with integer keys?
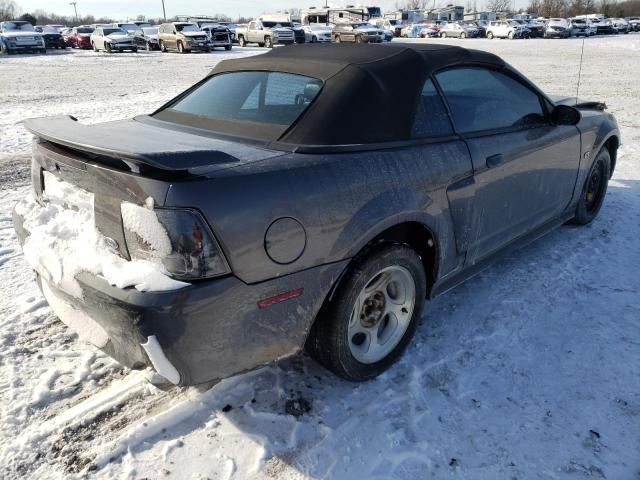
[{"x": 178, "y": 238}]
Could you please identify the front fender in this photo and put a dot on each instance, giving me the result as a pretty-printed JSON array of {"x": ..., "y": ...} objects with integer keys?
[{"x": 596, "y": 129}]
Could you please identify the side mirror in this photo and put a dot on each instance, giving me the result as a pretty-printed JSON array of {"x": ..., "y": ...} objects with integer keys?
[{"x": 565, "y": 115}]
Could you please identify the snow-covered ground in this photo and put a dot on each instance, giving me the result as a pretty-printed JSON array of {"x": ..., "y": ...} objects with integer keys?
[{"x": 530, "y": 370}]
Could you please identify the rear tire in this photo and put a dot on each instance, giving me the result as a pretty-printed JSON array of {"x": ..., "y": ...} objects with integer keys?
[
  {"x": 463, "y": 35},
  {"x": 163, "y": 47},
  {"x": 227, "y": 47},
  {"x": 359, "y": 39},
  {"x": 93, "y": 45},
  {"x": 181, "y": 48},
  {"x": 337, "y": 39},
  {"x": 594, "y": 189},
  {"x": 443, "y": 35},
  {"x": 373, "y": 315}
]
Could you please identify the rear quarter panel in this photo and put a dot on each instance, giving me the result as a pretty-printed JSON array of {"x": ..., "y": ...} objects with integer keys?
[{"x": 342, "y": 200}]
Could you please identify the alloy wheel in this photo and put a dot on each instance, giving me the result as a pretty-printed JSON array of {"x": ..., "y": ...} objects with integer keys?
[
  {"x": 595, "y": 187},
  {"x": 381, "y": 314}
]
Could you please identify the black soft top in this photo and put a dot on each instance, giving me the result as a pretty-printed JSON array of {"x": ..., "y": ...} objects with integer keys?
[{"x": 370, "y": 92}]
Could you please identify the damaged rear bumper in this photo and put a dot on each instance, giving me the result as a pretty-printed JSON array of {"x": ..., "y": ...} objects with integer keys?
[{"x": 208, "y": 331}]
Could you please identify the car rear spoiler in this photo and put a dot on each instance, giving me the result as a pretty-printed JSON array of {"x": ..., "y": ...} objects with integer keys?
[{"x": 143, "y": 146}]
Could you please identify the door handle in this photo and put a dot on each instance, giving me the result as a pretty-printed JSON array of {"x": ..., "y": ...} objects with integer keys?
[{"x": 495, "y": 160}]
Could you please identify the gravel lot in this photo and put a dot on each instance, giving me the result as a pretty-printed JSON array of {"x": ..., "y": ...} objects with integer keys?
[{"x": 530, "y": 370}]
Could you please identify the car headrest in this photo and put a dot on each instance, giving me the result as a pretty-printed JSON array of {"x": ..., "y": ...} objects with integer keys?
[{"x": 311, "y": 90}]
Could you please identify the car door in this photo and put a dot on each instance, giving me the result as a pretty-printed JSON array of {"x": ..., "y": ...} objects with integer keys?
[
  {"x": 348, "y": 34},
  {"x": 524, "y": 167},
  {"x": 252, "y": 33},
  {"x": 173, "y": 37}
]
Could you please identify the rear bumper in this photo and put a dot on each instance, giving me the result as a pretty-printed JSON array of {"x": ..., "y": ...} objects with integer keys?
[{"x": 208, "y": 331}]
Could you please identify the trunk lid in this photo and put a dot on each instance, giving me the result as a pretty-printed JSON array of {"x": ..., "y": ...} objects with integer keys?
[{"x": 126, "y": 161}]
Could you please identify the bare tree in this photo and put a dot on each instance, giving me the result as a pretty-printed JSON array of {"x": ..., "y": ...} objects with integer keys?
[
  {"x": 411, "y": 5},
  {"x": 499, "y": 5},
  {"x": 9, "y": 10},
  {"x": 533, "y": 7}
]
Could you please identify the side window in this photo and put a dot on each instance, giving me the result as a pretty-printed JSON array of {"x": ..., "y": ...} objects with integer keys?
[
  {"x": 431, "y": 115},
  {"x": 484, "y": 99}
]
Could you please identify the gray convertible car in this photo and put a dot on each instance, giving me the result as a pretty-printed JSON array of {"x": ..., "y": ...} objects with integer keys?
[{"x": 295, "y": 214}]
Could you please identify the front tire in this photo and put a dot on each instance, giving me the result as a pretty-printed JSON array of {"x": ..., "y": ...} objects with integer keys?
[
  {"x": 181, "y": 48},
  {"x": 373, "y": 315},
  {"x": 594, "y": 189},
  {"x": 241, "y": 41},
  {"x": 463, "y": 35},
  {"x": 443, "y": 35},
  {"x": 490, "y": 35},
  {"x": 268, "y": 43}
]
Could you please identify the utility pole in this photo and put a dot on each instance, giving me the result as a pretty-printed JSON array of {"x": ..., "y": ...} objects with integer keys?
[
  {"x": 164, "y": 12},
  {"x": 75, "y": 9}
]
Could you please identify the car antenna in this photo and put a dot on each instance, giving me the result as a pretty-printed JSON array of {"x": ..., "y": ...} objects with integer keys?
[{"x": 580, "y": 71}]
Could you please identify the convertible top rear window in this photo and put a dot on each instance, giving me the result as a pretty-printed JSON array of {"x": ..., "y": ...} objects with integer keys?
[{"x": 251, "y": 104}]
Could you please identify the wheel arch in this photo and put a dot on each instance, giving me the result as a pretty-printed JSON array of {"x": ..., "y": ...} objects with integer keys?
[
  {"x": 611, "y": 144},
  {"x": 417, "y": 235}
]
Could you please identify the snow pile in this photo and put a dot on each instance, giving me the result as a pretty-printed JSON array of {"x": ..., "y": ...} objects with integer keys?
[
  {"x": 144, "y": 223},
  {"x": 65, "y": 242}
]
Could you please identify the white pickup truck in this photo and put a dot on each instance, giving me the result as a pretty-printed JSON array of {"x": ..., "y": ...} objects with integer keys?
[{"x": 265, "y": 33}]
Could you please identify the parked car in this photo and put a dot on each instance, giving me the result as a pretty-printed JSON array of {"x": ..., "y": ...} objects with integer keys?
[
  {"x": 232, "y": 30},
  {"x": 388, "y": 24},
  {"x": 318, "y": 33},
  {"x": 147, "y": 38},
  {"x": 184, "y": 37},
  {"x": 57, "y": 27},
  {"x": 482, "y": 25},
  {"x": 219, "y": 36},
  {"x": 19, "y": 36},
  {"x": 414, "y": 30},
  {"x": 429, "y": 31},
  {"x": 112, "y": 39},
  {"x": 357, "y": 32},
  {"x": 536, "y": 28},
  {"x": 265, "y": 34},
  {"x": 52, "y": 37},
  {"x": 603, "y": 24},
  {"x": 505, "y": 29},
  {"x": 580, "y": 27},
  {"x": 634, "y": 23},
  {"x": 620, "y": 25},
  {"x": 458, "y": 30},
  {"x": 128, "y": 27},
  {"x": 558, "y": 28},
  {"x": 78, "y": 37},
  {"x": 303, "y": 217}
]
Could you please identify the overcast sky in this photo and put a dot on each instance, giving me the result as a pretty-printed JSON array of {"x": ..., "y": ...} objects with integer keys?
[{"x": 121, "y": 9}]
